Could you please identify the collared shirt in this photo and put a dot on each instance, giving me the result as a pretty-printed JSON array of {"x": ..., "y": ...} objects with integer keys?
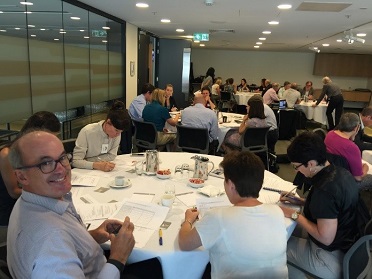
[
  {"x": 291, "y": 96},
  {"x": 270, "y": 96},
  {"x": 46, "y": 239},
  {"x": 198, "y": 116},
  {"x": 270, "y": 117},
  {"x": 136, "y": 107}
]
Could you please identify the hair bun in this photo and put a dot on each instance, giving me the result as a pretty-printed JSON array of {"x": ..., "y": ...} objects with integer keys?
[{"x": 118, "y": 105}]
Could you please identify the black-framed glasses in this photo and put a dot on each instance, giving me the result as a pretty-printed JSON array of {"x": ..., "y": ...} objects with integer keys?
[
  {"x": 297, "y": 167},
  {"x": 50, "y": 165}
]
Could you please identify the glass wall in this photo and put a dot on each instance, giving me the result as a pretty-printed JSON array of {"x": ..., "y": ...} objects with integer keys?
[{"x": 58, "y": 57}]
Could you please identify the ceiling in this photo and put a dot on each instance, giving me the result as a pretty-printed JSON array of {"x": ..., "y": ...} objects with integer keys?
[{"x": 305, "y": 25}]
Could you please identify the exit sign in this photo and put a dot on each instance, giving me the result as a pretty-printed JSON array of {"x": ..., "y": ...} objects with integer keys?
[
  {"x": 201, "y": 37},
  {"x": 99, "y": 33}
]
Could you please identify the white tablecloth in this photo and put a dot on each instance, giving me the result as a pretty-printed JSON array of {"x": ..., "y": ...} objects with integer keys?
[
  {"x": 175, "y": 263},
  {"x": 242, "y": 97},
  {"x": 367, "y": 156},
  {"x": 317, "y": 113},
  {"x": 223, "y": 128}
]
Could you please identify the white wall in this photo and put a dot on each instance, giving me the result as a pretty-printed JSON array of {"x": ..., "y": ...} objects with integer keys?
[
  {"x": 276, "y": 66},
  {"x": 131, "y": 55}
]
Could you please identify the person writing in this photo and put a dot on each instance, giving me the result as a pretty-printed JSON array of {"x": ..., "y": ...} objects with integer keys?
[
  {"x": 329, "y": 214},
  {"x": 246, "y": 240},
  {"x": 46, "y": 237},
  {"x": 97, "y": 144}
]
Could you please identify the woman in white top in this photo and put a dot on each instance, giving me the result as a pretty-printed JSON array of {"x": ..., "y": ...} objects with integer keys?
[
  {"x": 216, "y": 90},
  {"x": 246, "y": 240}
]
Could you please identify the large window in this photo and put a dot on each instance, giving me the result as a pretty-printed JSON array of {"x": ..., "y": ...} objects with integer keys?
[{"x": 58, "y": 57}]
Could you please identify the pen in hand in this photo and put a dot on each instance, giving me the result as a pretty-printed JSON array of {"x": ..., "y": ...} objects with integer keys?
[
  {"x": 160, "y": 237},
  {"x": 289, "y": 194}
]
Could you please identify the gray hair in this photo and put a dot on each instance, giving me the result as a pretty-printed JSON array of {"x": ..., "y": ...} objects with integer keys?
[
  {"x": 326, "y": 80},
  {"x": 15, "y": 155},
  {"x": 348, "y": 122}
]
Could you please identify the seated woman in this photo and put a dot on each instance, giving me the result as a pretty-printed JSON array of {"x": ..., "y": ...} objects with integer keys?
[
  {"x": 158, "y": 114},
  {"x": 216, "y": 90},
  {"x": 10, "y": 190},
  {"x": 205, "y": 91},
  {"x": 170, "y": 102},
  {"x": 246, "y": 240},
  {"x": 255, "y": 117},
  {"x": 329, "y": 215},
  {"x": 97, "y": 143},
  {"x": 340, "y": 142},
  {"x": 243, "y": 86}
]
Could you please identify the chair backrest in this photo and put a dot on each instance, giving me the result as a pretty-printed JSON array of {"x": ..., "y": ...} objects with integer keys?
[
  {"x": 320, "y": 132},
  {"x": 4, "y": 271},
  {"x": 255, "y": 139},
  {"x": 145, "y": 134},
  {"x": 357, "y": 261},
  {"x": 225, "y": 96},
  {"x": 69, "y": 145},
  {"x": 190, "y": 139}
]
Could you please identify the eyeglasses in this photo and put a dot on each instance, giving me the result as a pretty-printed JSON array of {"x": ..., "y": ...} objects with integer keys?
[
  {"x": 49, "y": 166},
  {"x": 297, "y": 167}
]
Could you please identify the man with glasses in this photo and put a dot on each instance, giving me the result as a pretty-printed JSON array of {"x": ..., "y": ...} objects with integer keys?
[
  {"x": 308, "y": 91},
  {"x": 46, "y": 237}
]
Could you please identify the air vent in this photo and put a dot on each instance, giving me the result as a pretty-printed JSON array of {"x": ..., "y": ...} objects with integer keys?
[
  {"x": 222, "y": 31},
  {"x": 322, "y": 7}
]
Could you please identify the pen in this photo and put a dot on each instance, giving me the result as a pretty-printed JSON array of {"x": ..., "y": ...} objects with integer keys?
[
  {"x": 88, "y": 225},
  {"x": 181, "y": 194},
  {"x": 160, "y": 237},
  {"x": 151, "y": 194},
  {"x": 290, "y": 192}
]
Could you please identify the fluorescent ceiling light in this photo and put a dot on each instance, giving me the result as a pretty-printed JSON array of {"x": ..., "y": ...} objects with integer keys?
[
  {"x": 165, "y": 20},
  {"x": 202, "y": 45},
  {"x": 86, "y": 37},
  {"x": 258, "y": 43},
  {"x": 273, "y": 22},
  {"x": 32, "y": 35},
  {"x": 104, "y": 41},
  {"x": 180, "y": 30},
  {"x": 284, "y": 6},
  {"x": 142, "y": 5},
  {"x": 361, "y": 34},
  {"x": 2, "y": 30},
  {"x": 196, "y": 42},
  {"x": 62, "y": 32},
  {"x": 42, "y": 29},
  {"x": 75, "y": 18},
  {"x": 256, "y": 46},
  {"x": 81, "y": 30},
  {"x": 26, "y": 3},
  {"x": 325, "y": 45},
  {"x": 315, "y": 49},
  {"x": 17, "y": 28},
  {"x": 30, "y": 25},
  {"x": 339, "y": 40},
  {"x": 262, "y": 39},
  {"x": 266, "y": 32},
  {"x": 56, "y": 39},
  {"x": 27, "y": 12},
  {"x": 106, "y": 27}
]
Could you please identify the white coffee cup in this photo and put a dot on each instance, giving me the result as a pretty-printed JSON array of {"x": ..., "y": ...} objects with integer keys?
[
  {"x": 167, "y": 200},
  {"x": 119, "y": 180}
]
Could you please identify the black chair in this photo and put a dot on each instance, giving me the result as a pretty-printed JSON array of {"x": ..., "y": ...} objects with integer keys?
[
  {"x": 357, "y": 261},
  {"x": 287, "y": 123},
  {"x": 145, "y": 135},
  {"x": 195, "y": 140},
  {"x": 228, "y": 99},
  {"x": 255, "y": 140},
  {"x": 69, "y": 145},
  {"x": 320, "y": 132},
  {"x": 4, "y": 271}
]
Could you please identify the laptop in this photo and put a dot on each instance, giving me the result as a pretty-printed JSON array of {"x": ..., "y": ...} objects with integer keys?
[{"x": 282, "y": 104}]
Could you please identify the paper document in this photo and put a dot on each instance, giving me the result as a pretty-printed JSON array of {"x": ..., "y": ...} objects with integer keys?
[
  {"x": 78, "y": 179},
  {"x": 96, "y": 211}
]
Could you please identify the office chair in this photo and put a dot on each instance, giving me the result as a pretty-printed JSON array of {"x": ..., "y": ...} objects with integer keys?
[
  {"x": 255, "y": 140},
  {"x": 320, "y": 132},
  {"x": 357, "y": 261},
  {"x": 145, "y": 135},
  {"x": 69, "y": 145},
  {"x": 4, "y": 271},
  {"x": 194, "y": 140},
  {"x": 227, "y": 101}
]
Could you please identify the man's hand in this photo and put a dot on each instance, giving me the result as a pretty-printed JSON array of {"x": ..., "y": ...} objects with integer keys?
[
  {"x": 104, "y": 166},
  {"x": 102, "y": 233},
  {"x": 123, "y": 242}
]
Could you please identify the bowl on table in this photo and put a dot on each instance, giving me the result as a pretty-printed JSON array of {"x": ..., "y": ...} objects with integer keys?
[
  {"x": 196, "y": 183},
  {"x": 163, "y": 174}
]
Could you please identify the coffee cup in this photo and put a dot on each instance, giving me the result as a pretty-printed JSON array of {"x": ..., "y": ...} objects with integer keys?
[
  {"x": 224, "y": 119},
  {"x": 167, "y": 200},
  {"x": 119, "y": 180}
]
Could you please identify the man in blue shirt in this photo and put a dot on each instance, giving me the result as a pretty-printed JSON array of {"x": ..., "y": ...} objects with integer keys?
[{"x": 138, "y": 104}]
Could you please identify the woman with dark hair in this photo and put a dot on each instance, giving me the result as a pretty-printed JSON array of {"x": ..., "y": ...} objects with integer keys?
[
  {"x": 97, "y": 143},
  {"x": 243, "y": 86},
  {"x": 209, "y": 78},
  {"x": 170, "y": 102},
  {"x": 10, "y": 190},
  {"x": 246, "y": 240},
  {"x": 255, "y": 117},
  {"x": 329, "y": 215}
]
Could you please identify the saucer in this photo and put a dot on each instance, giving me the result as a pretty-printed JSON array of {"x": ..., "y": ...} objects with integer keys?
[{"x": 127, "y": 183}]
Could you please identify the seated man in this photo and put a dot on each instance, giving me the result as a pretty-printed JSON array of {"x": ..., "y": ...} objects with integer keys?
[
  {"x": 198, "y": 116},
  {"x": 46, "y": 237},
  {"x": 247, "y": 240},
  {"x": 271, "y": 96},
  {"x": 329, "y": 215},
  {"x": 139, "y": 103},
  {"x": 363, "y": 141},
  {"x": 292, "y": 96}
]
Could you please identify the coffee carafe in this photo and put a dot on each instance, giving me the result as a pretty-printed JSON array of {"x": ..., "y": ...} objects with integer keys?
[
  {"x": 201, "y": 167},
  {"x": 152, "y": 162}
]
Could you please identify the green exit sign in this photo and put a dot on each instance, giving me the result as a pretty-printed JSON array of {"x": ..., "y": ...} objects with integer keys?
[
  {"x": 202, "y": 37},
  {"x": 99, "y": 33}
]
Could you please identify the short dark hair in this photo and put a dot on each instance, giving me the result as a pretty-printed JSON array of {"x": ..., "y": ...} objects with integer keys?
[
  {"x": 256, "y": 108},
  {"x": 286, "y": 83},
  {"x": 367, "y": 111},
  {"x": 42, "y": 120},
  {"x": 348, "y": 122},
  {"x": 306, "y": 147},
  {"x": 119, "y": 116},
  {"x": 206, "y": 88},
  {"x": 147, "y": 87},
  {"x": 245, "y": 170}
]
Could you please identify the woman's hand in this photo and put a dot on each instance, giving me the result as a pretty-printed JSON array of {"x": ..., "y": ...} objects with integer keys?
[
  {"x": 291, "y": 198},
  {"x": 191, "y": 215}
]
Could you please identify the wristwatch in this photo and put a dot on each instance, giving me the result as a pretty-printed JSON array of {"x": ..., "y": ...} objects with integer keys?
[{"x": 295, "y": 215}]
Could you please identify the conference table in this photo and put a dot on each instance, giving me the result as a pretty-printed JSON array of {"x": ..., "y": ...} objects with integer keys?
[
  {"x": 175, "y": 263},
  {"x": 318, "y": 113},
  {"x": 233, "y": 122},
  {"x": 242, "y": 97}
]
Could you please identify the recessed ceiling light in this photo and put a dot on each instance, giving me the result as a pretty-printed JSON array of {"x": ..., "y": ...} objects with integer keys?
[
  {"x": 27, "y": 12},
  {"x": 86, "y": 37},
  {"x": 31, "y": 25},
  {"x": 165, "y": 20},
  {"x": 1, "y": 12},
  {"x": 61, "y": 29},
  {"x": 284, "y": 6},
  {"x": 273, "y": 22},
  {"x": 62, "y": 32},
  {"x": 32, "y": 35},
  {"x": 2, "y": 30},
  {"x": 262, "y": 39},
  {"x": 26, "y": 3},
  {"x": 361, "y": 34},
  {"x": 196, "y": 42},
  {"x": 42, "y": 29},
  {"x": 258, "y": 43},
  {"x": 81, "y": 30},
  {"x": 56, "y": 39},
  {"x": 339, "y": 40},
  {"x": 315, "y": 47},
  {"x": 75, "y": 18},
  {"x": 325, "y": 45},
  {"x": 180, "y": 30},
  {"x": 202, "y": 45},
  {"x": 266, "y": 32},
  {"x": 104, "y": 41},
  {"x": 17, "y": 28},
  {"x": 256, "y": 46},
  {"x": 142, "y": 5},
  {"x": 106, "y": 27}
]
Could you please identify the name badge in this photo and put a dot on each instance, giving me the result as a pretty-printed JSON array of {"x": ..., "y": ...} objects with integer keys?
[{"x": 104, "y": 148}]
